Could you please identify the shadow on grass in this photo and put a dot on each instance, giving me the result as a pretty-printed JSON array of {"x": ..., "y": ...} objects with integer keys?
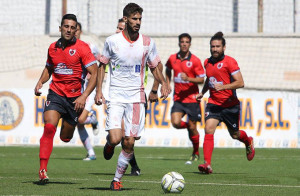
[
  {"x": 50, "y": 182},
  {"x": 107, "y": 189},
  {"x": 219, "y": 173},
  {"x": 110, "y": 174},
  {"x": 73, "y": 159}
]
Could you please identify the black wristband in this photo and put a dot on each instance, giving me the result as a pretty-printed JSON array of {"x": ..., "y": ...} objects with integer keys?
[{"x": 154, "y": 92}]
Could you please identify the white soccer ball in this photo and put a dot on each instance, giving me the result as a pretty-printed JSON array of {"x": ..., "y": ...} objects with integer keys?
[{"x": 172, "y": 182}]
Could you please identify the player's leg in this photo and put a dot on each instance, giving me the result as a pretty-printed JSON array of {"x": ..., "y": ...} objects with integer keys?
[
  {"x": 51, "y": 118},
  {"x": 135, "y": 170},
  {"x": 212, "y": 120},
  {"x": 194, "y": 114},
  {"x": 115, "y": 112},
  {"x": 84, "y": 137},
  {"x": 231, "y": 119},
  {"x": 67, "y": 130},
  {"x": 177, "y": 112},
  {"x": 85, "y": 118},
  {"x": 134, "y": 122}
]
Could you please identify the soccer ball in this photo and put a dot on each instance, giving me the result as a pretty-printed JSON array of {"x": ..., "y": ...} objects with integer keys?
[{"x": 172, "y": 182}]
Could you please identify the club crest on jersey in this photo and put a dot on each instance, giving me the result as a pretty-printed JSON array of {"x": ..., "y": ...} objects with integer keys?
[
  {"x": 47, "y": 103},
  {"x": 72, "y": 52},
  {"x": 220, "y": 65},
  {"x": 189, "y": 64}
]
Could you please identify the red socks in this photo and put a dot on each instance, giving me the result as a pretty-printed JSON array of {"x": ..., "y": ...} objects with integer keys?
[
  {"x": 244, "y": 138},
  {"x": 183, "y": 125},
  {"x": 46, "y": 145},
  {"x": 195, "y": 141},
  {"x": 208, "y": 147}
]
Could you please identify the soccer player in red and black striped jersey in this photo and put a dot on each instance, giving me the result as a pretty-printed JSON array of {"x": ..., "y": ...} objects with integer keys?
[
  {"x": 68, "y": 62},
  {"x": 223, "y": 78},
  {"x": 188, "y": 73}
]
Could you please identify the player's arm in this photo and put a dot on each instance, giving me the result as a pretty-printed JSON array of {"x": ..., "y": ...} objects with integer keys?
[
  {"x": 157, "y": 73},
  {"x": 238, "y": 82},
  {"x": 153, "y": 97},
  {"x": 168, "y": 76},
  {"x": 99, "y": 99},
  {"x": 203, "y": 91},
  {"x": 46, "y": 74},
  {"x": 197, "y": 80},
  {"x": 80, "y": 101}
]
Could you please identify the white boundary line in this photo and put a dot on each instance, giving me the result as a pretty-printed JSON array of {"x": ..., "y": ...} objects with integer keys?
[{"x": 200, "y": 183}]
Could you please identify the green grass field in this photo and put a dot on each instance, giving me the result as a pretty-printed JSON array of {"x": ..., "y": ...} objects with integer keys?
[{"x": 272, "y": 172}]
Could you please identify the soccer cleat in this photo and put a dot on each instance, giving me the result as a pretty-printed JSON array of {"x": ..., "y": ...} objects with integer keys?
[
  {"x": 135, "y": 171},
  {"x": 250, "y": 151},
  {"x": 43, "y": 176},
  {"x": 205, "y": 168},
  {"x": 116, "y": 186},
  {"x": 108, "y": 151},
  {"x": 194, "y": 157},
  {"x": 89, "y": 158}
]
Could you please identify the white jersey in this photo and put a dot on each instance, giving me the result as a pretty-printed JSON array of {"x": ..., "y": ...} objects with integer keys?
[
  {"x": 90, "y": 100},
  {"x": 128, "y": 60}
]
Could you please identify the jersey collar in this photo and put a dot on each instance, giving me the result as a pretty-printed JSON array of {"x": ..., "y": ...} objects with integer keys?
[
  {"x": 186, "y": 58},
  {"x": 128, "y": 39},
  {"x": 214, "y": 61},
  {"x": 59, "y": 42}
]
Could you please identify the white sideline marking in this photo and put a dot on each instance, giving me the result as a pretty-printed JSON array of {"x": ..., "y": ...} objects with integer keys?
[
  {"x": 157, "y": 182},
  {"x": 220, "y": 184}
]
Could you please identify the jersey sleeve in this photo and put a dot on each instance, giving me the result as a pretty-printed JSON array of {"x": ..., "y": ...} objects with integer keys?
[
  {"x": 95, "y": 51},
  {"x": 106, "y": 53},
  {"x": 233, "y": 67},
  {"x": 169, "y": 64},
  {"x": 87, "y": 56},
  {"x": 199, "y": 71},
  {"x": 49, "y": 60},
  {"x": 153, "y": 58}
]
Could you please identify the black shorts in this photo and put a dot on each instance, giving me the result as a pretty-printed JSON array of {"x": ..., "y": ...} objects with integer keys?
[
  {"x": 230, "y": 116},
  {"x": 63, "y": 105},
  {"x": 193, "y": 110}
]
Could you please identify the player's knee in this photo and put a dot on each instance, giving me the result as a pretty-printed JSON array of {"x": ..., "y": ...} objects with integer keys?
[
  {"x": 234, "y": 135},
  {"x": 114, "y": 141},
  {"x": 65, "y": 139},
  {"x": 176, "y": 125}
]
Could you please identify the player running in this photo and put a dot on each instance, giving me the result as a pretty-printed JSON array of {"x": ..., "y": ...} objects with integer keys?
[
  {"x": 188, "y": 73},
  {"x": 67, "y": 63},
  {"x": 223, "y": 78},
  {"x": 128, "y": 52}
]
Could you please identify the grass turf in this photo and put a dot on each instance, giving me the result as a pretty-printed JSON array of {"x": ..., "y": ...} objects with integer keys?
[{"x": 272, "y": 172}]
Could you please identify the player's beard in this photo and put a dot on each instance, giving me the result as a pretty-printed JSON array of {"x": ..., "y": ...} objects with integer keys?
[{"x": 220, "y": 55}]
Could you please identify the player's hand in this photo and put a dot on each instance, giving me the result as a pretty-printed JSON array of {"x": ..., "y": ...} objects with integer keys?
[
  {"x": 218, "y": 86},
  {"x": 184, "y": 77},
  {"x": 164, "y": 91},
  {"x": 199, "y": 96},
  {"x": 37, "y": 88},
  {"x": 153, "y": 97},
  {"x": 99, "y": 98},
  {"x": 79, "y": 104}
]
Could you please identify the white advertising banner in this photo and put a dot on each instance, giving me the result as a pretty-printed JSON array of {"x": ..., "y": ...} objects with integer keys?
[{"x": 271, "y": 118}]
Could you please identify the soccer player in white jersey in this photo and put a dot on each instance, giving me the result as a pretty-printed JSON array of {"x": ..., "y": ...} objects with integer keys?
[
  {"x": 85, "y": 118},
  {"x": 128, "y": 52}
]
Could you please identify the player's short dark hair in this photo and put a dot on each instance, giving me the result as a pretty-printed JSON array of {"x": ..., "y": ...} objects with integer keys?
[
  {"x": 184, "y": 35},
  {"x": 132, "y": 8},
  {"x": 218, "y": 36},
  {"x": 79, "y": 24},
  {"x": 68, "y": 17},
  {"x": 121, "y": 20}
]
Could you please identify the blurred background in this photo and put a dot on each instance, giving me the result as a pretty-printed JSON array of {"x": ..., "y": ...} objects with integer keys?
[{"x": 262, "y": 35}]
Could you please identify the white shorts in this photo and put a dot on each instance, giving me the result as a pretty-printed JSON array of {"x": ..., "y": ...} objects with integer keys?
[
  {"x": 90, "y": 101},
  {"x": 132, "y": 113}
]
